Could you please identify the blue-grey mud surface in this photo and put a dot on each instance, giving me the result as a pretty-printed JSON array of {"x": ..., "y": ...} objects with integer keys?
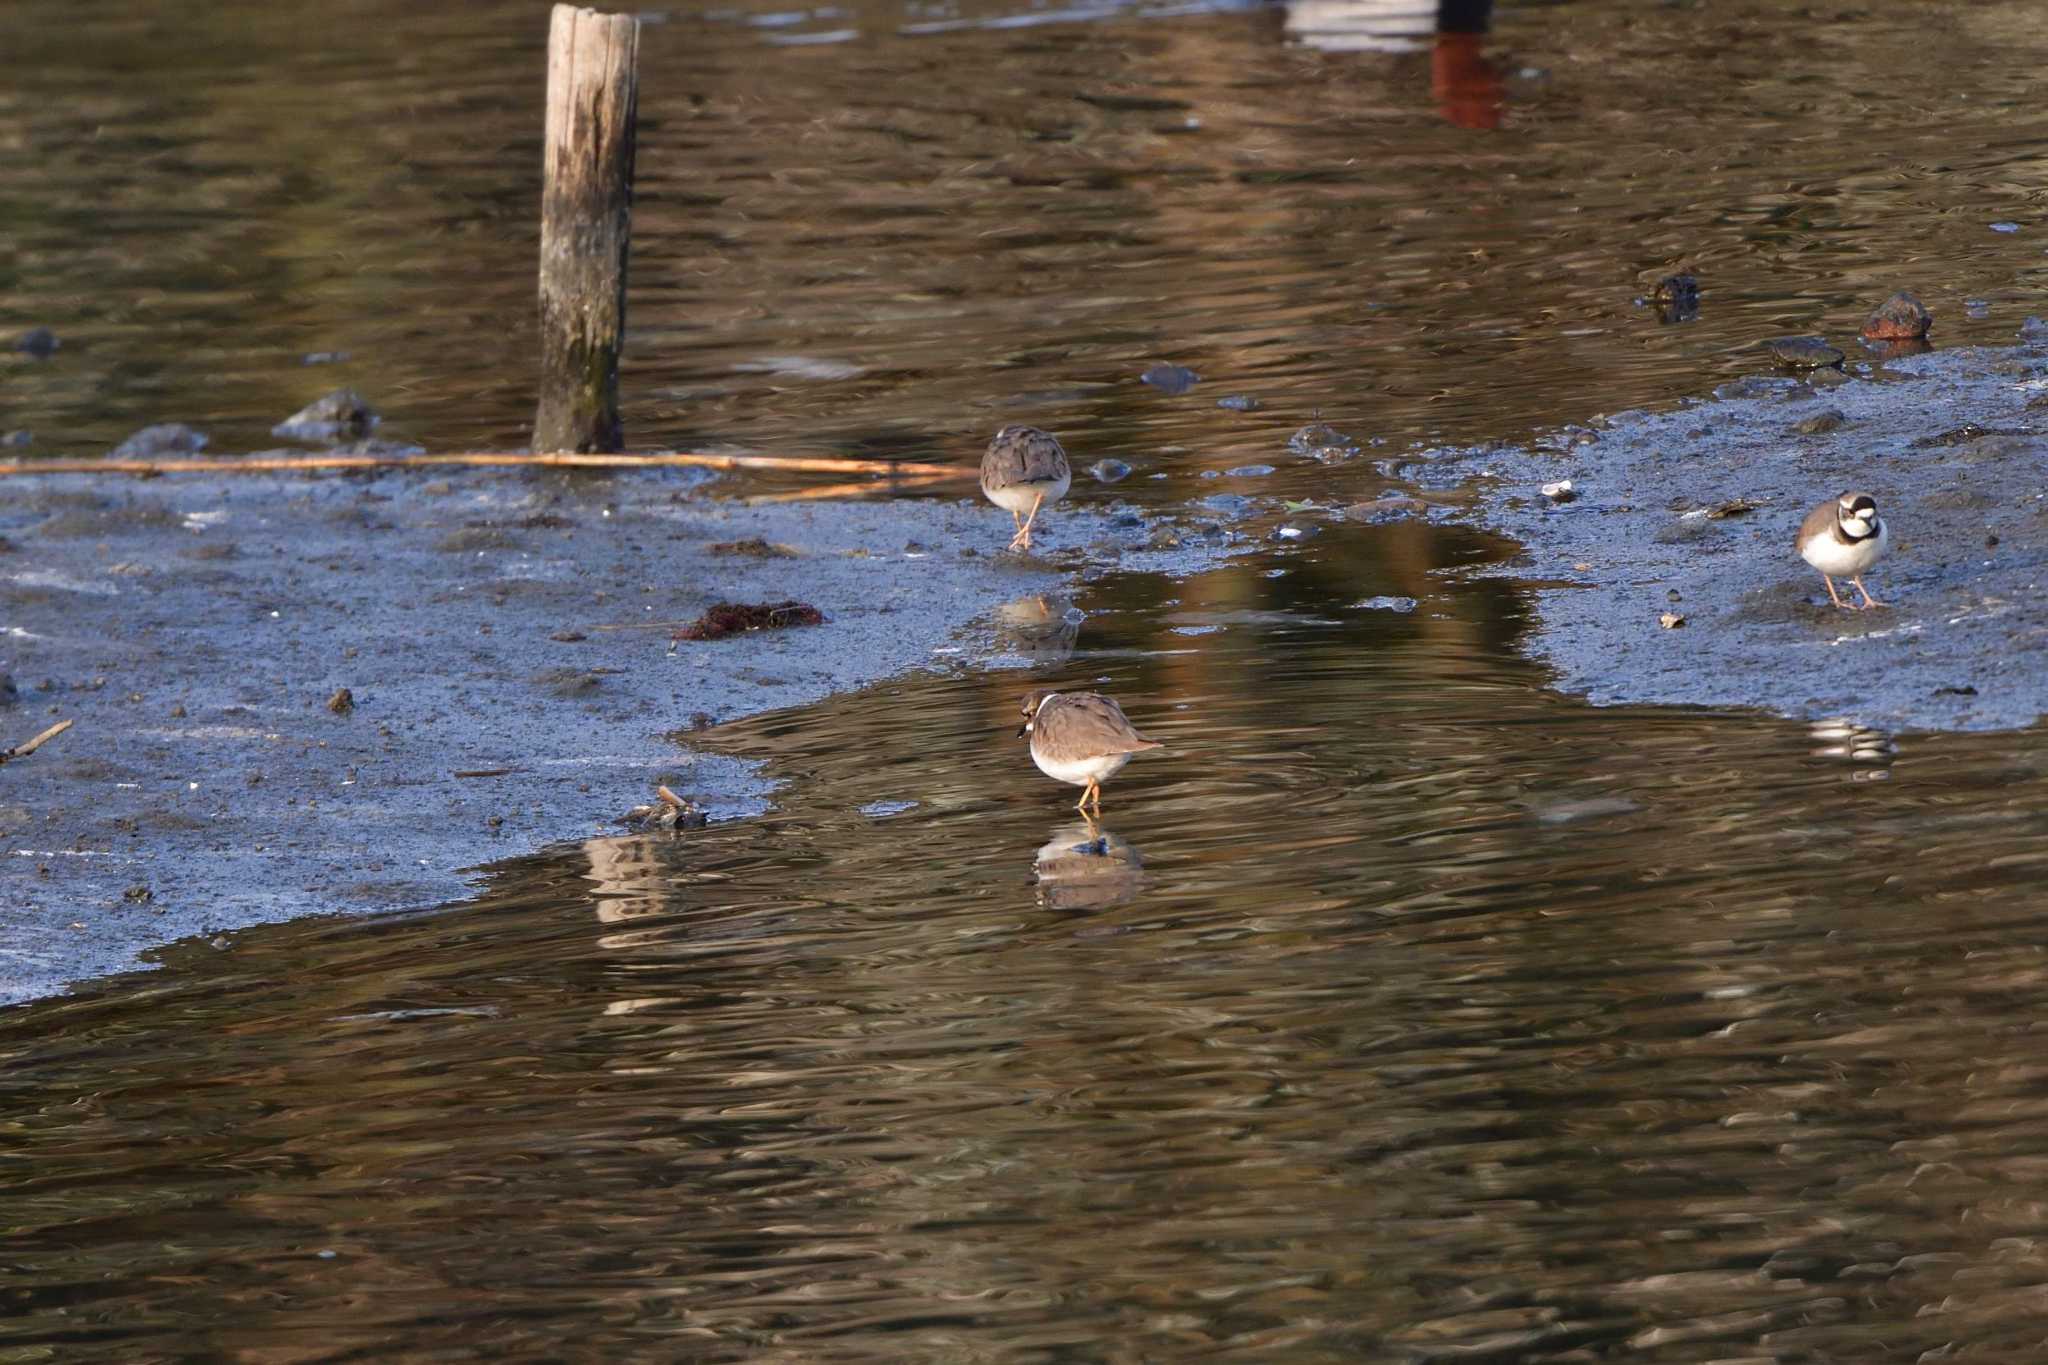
[
  {"x": 505, "y": 640},
  {"x": 1948, "y": 442}
]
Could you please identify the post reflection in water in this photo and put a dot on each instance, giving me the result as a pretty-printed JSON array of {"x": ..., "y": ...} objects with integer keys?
[{"x": 1467, "y": 86}]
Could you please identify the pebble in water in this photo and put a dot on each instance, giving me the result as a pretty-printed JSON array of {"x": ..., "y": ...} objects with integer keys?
[
  {"x": 1321, "y": 441},
  {"x": 1109, "y": 471},
  {"x": 1170, "y": 379},
  {"x": 39, "y": 342},
  {"x": 1239, "y": 402},
  {"x": 163, "y": 438},
  {"x": 338, "y": 416},
  {"x": 1677, "y": 298},
  {"x": 1804, "y": 353},
  {"x": 1902, "y": 317}
]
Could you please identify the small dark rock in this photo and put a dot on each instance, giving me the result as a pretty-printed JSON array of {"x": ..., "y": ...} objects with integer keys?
[
  {"x": 374, "y": 445},
  {"x": 39, "y": 342},
  {"x": 1163, "y": 538},
  {"x": 2034, "y": 329},
  {"x": 1239, "y": 402},
  {"x": 1955, "y": 436},
  {"x": 1965, "y": 690},
  {"x": 1172, "y": 380},
  {"x": 1110, "y": 471},
  {"x": 139, "y": 894},
  {"x": 342, "y": 702},
  {"x": 1803, "y": 353},
  {"x": 734, "y": 618},
  {"x": 10, "y": 695},
  {"x": 1820, "y": 423},
  {"x": 1677, "y": 298},
  {"x": 1387, "y": 507},
  {"x": 754, "y": 547},
  {"x": 164, "y": 438},
  {"x": 470, "y": 539},
  {"x": 570, "y": 684},
  {"x": 339, "y": 416},
  {"x": 1901, "y": 317},
  {"x": 568, "y": 637}
]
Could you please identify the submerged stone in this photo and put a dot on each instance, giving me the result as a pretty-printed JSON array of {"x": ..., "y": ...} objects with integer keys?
[
  {"x": 1171, "y": 380},
  {"x": 1677, "y": 298},
  {"x": 1803, "y": 353},
  {"x": 1323, "y": 442},
  {"x": 163, "y": 438},
  {"x": 339, "y": 416},
  {"x": 39, "y": 342}
]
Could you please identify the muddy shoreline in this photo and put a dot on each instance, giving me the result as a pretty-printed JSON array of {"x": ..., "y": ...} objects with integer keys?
[
  {"x": 1948, "y": 442},
  {"x": 505, "y": 640}
]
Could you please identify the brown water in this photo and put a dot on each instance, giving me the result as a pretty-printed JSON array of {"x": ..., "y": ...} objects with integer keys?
[{"x": 1406, "y": 1011}]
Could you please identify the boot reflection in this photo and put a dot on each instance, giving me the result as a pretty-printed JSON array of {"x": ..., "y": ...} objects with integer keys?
[
  {"x": 1085, "y": 867},
  {"x": 1466, "y": 86}
]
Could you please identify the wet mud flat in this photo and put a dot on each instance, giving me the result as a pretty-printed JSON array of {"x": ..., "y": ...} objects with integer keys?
[
  {"x": 1691, "y": 514},
  {"x": 303, "y": 695}
]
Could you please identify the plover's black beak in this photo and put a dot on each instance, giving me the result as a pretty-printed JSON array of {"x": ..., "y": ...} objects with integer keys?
[{"x": 1024, "y": 729}]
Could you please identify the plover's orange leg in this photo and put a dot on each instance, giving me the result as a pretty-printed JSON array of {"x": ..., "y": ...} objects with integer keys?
[
  {"x": 1868, "y": 600},
  {"x": 1831, "y": 591},
  {"x": 1082, "y": 804},
  {"x": 1017, "y": 528},
  {"x": 1026, "y": 532}
]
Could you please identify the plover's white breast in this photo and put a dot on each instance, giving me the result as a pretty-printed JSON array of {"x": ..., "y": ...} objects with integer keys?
[{"x": 1838, "y": 558}]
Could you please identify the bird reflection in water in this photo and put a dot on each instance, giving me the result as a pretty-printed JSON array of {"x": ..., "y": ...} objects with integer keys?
[
  {"x": 1039, "y": 627},
  {"x": 1844, "y": 741},
  {"x": 1086, "y": 867},
  {"x": 1466, "y": 86}
]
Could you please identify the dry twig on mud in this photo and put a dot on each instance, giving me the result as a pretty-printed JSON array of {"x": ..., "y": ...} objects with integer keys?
[{"x": 24, "y": 749}]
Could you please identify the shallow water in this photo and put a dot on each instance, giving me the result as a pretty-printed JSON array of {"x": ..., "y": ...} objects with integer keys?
[{"x": 1404, "y": 1009}]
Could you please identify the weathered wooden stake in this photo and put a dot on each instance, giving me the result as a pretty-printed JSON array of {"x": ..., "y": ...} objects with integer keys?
[{"x": 585, "y": 227}]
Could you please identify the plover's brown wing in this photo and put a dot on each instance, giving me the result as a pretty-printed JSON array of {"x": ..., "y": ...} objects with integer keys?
[
  {"x": 1819, "y": 522},
  {"x": 1022, "y": 455},
  {"x": 1088, "y": 725}
]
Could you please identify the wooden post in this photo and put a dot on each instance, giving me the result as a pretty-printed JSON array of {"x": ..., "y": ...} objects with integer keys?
[{"x": 585, "y": 227}]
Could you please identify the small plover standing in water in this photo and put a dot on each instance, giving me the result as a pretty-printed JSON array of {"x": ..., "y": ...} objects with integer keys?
[{"x": 1082, "y": 738}]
